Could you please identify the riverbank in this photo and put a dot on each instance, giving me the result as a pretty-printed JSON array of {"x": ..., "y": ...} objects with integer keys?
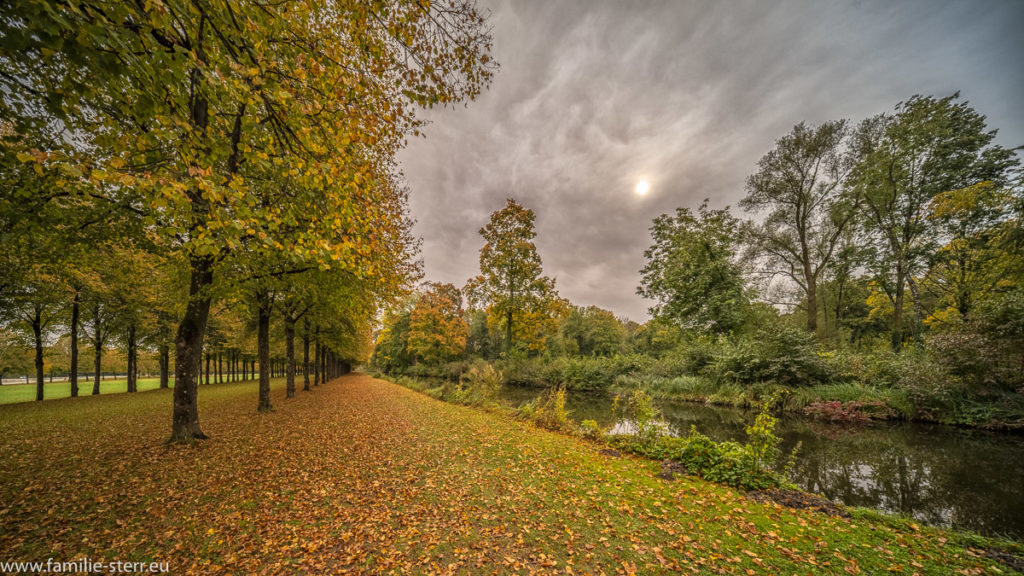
[
  {"x": 365, "y": 476},
  {"x": 878, "y": 392}
]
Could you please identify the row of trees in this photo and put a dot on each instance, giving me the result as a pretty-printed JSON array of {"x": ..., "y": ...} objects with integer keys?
[
  {"x": 245, "y": 152},
  {"x": 905, "y": 228}
]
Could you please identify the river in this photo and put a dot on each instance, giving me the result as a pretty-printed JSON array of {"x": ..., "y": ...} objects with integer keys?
[{"x": 940, "y": 475}]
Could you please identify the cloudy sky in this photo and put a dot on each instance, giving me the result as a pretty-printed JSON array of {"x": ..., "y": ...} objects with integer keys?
[{"x": 594, "y": 96}]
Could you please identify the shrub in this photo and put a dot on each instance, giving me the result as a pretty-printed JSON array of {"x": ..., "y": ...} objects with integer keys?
[
  {"x": 548, "y": 410},
  {"x": 755, "y": 464},
  {"x": 785, "y": 355},
  {"x": 639, "y": 409},
  {"x": 483, "y": 382},
  {"x": 590, "y": 429},
  {"x": 522, "y": 372}
]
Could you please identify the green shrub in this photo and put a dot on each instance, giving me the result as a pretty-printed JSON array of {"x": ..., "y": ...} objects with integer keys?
[
  {"x": 590, "y": 429},
  {"x": 784, "y": 354}
]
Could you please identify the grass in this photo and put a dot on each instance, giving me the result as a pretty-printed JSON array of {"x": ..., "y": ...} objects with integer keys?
[
  {"x": 364, "y": 476},
  {"x": 14, "y": 393}
]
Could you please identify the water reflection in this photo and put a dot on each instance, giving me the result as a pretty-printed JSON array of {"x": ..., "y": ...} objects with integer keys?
[{"x": 937, "y": 474}]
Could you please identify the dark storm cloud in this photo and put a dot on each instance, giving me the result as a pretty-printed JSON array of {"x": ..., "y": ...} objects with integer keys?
[{"x": 593, "y": 96}]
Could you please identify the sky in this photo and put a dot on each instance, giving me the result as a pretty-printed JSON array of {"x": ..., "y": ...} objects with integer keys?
[{"x": 594, "y": 96}]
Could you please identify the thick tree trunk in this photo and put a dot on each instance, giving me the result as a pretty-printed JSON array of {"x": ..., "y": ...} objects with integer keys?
[
  {"x": 263, "y": 346},
  {"x": 508, "y": 333},
  {"x": 305, "y": 356},
  {"x": 165, "y": 365},
  {"x": 897, "y": 313},
  {"x": 37, "y": 331},
  {"x": 188, "y": 349},
  {"x": 97, "y": 358},
  {"x": 289, "y": 347},
  {"x": 317, "y": 353},
  {"x": 812, "y": 303},
  {"x": 73, "y": 377},
  {"x": 132, "y": 360}
]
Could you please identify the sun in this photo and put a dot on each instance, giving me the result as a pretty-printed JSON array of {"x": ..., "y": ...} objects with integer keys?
[{"x": 642, "y": 187}]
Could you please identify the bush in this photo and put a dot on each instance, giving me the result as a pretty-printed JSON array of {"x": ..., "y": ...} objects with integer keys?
[
  {"x": 754, "y": 465},
  {"x": 522, "y": 372},
  {"x": 590, "y": 429},
  {"x": 547, "y": 410},
  {"x": 784, "y": 355},
  {"x": 638, "y": 408},
  {"x": 483, "y": 383}
]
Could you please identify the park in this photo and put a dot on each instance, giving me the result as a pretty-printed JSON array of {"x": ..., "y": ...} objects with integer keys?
[{"x": 510, "y": 287}]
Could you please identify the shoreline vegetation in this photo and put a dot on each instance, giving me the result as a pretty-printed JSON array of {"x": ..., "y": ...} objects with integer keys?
[{"x": 849, "y": 400}]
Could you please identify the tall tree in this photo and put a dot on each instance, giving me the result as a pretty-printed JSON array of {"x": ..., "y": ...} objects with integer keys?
[
  {"x": 437, "y": 329},
  {"x": 904, "y": 160},
  {"x": 799, "y": 184},
  {"x": 511, "y": 281},
  {"x": 693, "y": 272}
]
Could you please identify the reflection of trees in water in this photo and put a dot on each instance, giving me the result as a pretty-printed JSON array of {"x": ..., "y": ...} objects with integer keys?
[{"x": 939, "y": 475}]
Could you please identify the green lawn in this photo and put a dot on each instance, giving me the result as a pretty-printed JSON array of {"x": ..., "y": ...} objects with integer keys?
[
  {"x": 12, "y": 393},
  {"x": 364, "y": 476}
]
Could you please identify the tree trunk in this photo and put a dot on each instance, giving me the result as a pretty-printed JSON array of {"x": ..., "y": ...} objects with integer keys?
[
  {"x": 165, "y": 365},
  {"x": 812, "y": 303},
  {"x": 508, "y": 333},
  {"x": 897, "y": 312},
  {"x": 188, "y": 349},
  {"x": 317, "y": 352},
  {"x": 289, "y": 348},
  {"x": 73, "y": 378},
  {"x": 97, "y": 358},
  {"x": 37, "y": 331},
  {"x": 263, "y": 346},
  {"x": 207, "y": 368},
  {"x": 305, "y": 356},
  {"x": 132, "y": 360}
]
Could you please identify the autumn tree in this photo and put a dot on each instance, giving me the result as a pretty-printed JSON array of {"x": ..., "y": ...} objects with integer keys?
[
  {"x": 437, "y": 329},
  {"x": 904, "y": 160},
  {"x": 799, "y": 184},
  {"x": 592, "y": 331},
  {"x": 975, "y": 226},
  {"x": 512, "y": 285},
  {"x": 180, "y": 102},
  {"x": 693, "y": 272}
]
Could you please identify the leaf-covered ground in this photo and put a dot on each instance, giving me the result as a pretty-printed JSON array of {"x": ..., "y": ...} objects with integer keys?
[{"x": 364, "y": 476}]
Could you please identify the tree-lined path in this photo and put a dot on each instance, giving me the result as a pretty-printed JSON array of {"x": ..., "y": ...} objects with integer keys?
[{"x": 363, "y": 476}]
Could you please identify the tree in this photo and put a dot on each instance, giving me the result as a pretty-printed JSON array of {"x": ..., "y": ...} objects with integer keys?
[
  {"x": 799, "y": 183},
  {"x": 592, "y": 331},
  {"x": 511, "y": 280},
  {"x": 974, "y": 225},
  {"x": 437, "y": 329},
  {"x": 183, "y": 104},
  {"x": 692, "y": 270},
  {"x": 903, "y": 161}
]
